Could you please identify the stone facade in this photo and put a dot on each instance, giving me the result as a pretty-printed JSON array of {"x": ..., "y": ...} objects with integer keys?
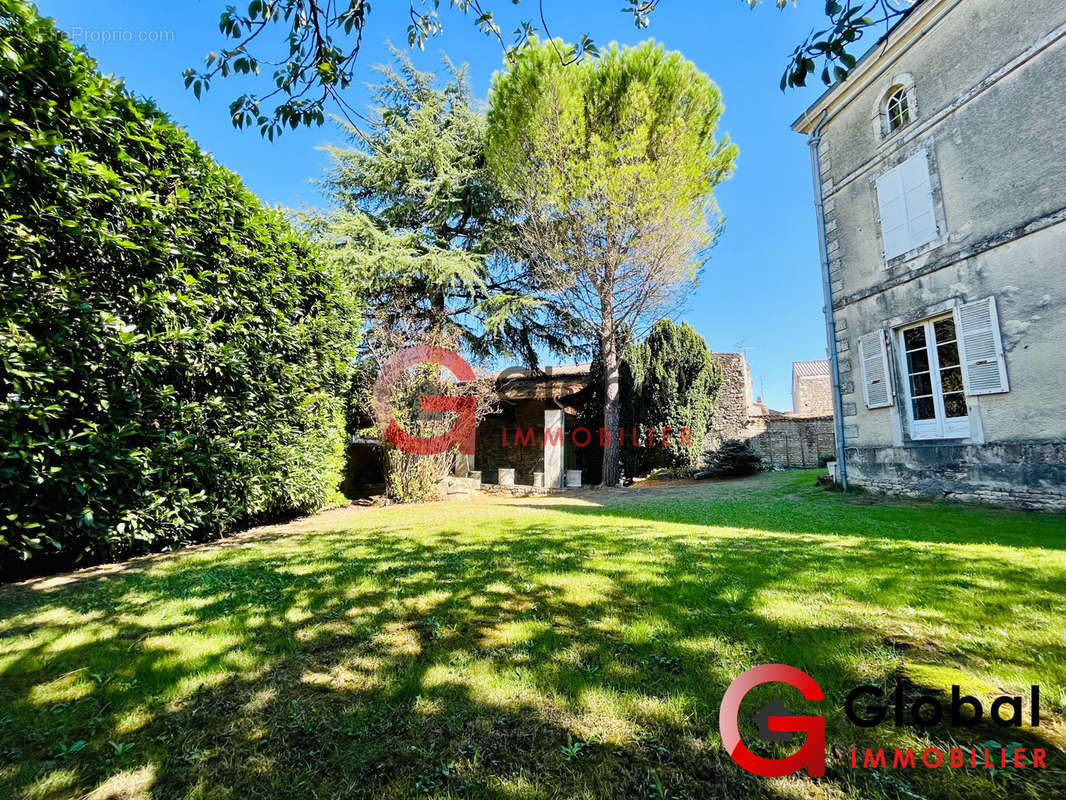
[
  {"x": 734, "y": 400},
  {"x": 812, "y": 390},
  {"x": 986, "y": 125},
  {"x": 1012, "y": 474},
  {"x": 782, "y": 439}
]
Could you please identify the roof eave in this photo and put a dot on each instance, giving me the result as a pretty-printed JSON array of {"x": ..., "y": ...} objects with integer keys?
[{"x": 903, "y": 26}]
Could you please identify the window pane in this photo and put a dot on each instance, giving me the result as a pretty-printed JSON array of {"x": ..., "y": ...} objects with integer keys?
[
  {"x": 955, "y": 405},
  {"x": 913, "y": 338},
  {"x": 898, "y": 110},
  {"x": 951, "y": 380},
  {"x": 918, "y": 361},
  {"x": 944, "y": 330},
  {"x": 948, "y": 354},
  {"x": 923, "y": 408},
  {"x": 921, "y": 384}
]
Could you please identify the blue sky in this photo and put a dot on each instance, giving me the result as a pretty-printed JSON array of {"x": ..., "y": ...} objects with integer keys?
[{"x": 761, "y": 289}]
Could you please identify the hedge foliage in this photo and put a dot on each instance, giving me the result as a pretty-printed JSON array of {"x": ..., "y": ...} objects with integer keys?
[
  {"x": 172, "y": 354},
  {"x": 670, "y": 381}
]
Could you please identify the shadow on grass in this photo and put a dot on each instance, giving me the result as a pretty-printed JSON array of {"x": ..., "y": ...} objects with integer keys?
[{"x": 571, "y": 651}]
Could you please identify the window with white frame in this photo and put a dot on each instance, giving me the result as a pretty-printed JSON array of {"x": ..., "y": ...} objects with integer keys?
[
  {"x": 933, "y": 379},
  {"x": 897, "y": 109},
  {"x": 905, "y": 203},
  {"x": 942, "y": 361}
]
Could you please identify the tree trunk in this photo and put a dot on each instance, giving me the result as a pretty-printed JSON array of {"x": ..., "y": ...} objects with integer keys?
[{"x": 609, "y": 351}]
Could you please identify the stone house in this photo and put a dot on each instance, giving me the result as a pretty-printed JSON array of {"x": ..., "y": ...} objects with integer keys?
[
  {"x": 812, "y": 391},
  {"x": 940, "y": 184},
  {"x": 538, "y": 401}
]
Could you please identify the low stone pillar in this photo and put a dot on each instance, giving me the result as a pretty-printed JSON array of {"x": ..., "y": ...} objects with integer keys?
[
  {"x": 554, "y": 449},
  {"x": 573, "y": 479},
  {"x": 506, "y": 477},
  {"x": 475, "y": 476},
  {"x": 538, "y": 480}
]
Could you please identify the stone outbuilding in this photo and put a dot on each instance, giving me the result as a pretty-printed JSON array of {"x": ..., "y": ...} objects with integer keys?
[
  {"x": 546, "y": 403},
  {"x": 812, "y": 390}
]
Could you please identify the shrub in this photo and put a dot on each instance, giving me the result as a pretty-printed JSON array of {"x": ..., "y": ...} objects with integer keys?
[
  {"x": 670, "y": 381},
  {"x": 172, "y": 354},
  {"x": 734, "y": 459}
]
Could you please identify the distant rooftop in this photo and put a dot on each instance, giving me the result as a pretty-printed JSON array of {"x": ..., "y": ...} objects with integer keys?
[{"x": 810, "y": 369}]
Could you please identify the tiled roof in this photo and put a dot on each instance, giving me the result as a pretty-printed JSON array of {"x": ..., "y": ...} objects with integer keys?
[
  {"x": 810, "y": 369},
  {"x": 558, "y": 371}
]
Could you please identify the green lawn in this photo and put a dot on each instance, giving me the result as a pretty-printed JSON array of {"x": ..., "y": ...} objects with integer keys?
[{"x": 554, "y": 647}]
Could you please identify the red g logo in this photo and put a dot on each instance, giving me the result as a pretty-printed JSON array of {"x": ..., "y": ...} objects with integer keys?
[
  {"x": 810, "y": 755},
  {"x": 462, "y": 432}
]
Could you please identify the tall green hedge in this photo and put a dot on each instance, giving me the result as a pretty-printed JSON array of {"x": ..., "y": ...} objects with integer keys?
[{"x": 172, "y": 353}]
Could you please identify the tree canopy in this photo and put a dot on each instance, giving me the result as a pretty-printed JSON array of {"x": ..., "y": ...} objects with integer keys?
[
  {"x": 418, "y": 222},
  {"x": 610, "y": 165},
  {"x": 321, "y": 41}
]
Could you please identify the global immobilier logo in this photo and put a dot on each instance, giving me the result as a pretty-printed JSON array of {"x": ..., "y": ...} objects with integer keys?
[
  {"x": 463, "y": 432},
  {"x": 925, "y": 711}
]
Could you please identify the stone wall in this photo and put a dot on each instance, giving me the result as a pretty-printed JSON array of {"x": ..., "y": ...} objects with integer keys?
[
  {"x": 813, "y": 395},
  {"x": 794, "y": 442},
  {"x": 1019, "y": 475},
  {"x": 734, "y": 401},
  {"x": 783, "y": 440},
  {"x": 492, "y": 453}
]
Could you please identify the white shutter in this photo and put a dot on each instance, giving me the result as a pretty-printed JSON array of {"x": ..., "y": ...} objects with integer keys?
[
  {"x": 905, "y": 201},
  {"x": 981, "y": 348},
  {"x": 873, "y": 359},
  {"x": 893, "y": 210},
  {"x": 918, "y": 198}
]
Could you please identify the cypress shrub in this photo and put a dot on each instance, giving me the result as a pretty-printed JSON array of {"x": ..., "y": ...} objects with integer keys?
[
  {"x": 668, "y": 380},
  {"x": 172, "y": 354}
]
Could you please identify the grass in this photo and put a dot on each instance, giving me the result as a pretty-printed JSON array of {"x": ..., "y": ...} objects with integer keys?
[{"x": 554, "y": 647}]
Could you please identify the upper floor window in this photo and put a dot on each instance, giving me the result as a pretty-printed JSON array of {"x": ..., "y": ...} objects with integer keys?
[
  {"x": 898, "y": 109},
  {"x": 896, "y": 105},
  {"x": 905, "y": 203}
]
